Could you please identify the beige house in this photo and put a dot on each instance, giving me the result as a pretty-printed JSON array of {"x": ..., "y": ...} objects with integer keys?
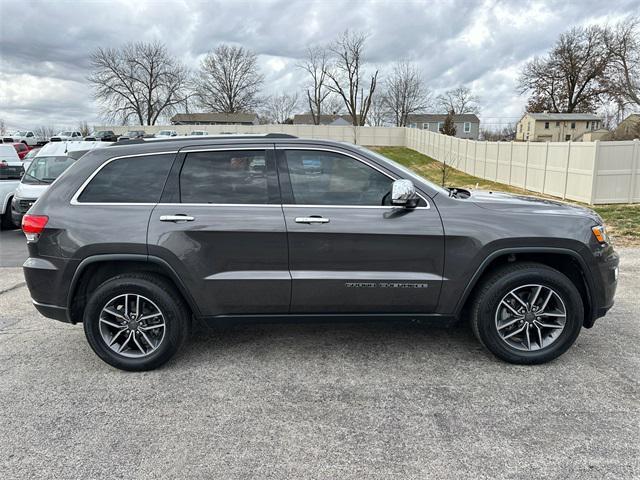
[
  {"x": 629, "y": 128},
  {"x": 556, "y": 127}
]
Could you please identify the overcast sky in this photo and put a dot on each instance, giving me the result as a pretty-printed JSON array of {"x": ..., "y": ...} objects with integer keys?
[{"x": 44, "y": 46}]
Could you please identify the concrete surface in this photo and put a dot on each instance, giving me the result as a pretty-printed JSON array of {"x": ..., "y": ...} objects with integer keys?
[
  {"x": 13, "y": 248},
  {"x": 380, "y": 400}
]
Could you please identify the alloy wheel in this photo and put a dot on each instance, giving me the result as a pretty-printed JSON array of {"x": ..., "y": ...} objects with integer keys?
[
  {"x": 132, "y": 325},
  {"x": 530, "y": 317}
]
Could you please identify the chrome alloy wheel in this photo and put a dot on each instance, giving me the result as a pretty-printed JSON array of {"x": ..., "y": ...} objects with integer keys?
[
  {"x": 132, "y": 325},
  {"x": 530, "y": 317}
]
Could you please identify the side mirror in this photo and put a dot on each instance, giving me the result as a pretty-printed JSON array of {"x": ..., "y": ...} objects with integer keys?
[{"x": 403, "y": 194}]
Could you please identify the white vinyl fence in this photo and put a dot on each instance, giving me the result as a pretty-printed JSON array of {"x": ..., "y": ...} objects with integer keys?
[{"x": 590, "y": 172}]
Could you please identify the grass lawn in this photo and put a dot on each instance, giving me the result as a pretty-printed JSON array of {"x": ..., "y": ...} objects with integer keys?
[{"x": 622, "y": 220}]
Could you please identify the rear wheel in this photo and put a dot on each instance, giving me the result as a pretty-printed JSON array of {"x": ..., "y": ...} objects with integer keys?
[
  {"x": 135, "y": 322},
  {"x": 527, "y": 313}
]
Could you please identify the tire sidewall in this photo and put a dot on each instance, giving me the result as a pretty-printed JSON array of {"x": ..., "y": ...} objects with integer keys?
[
  {"x": 174, "y": 323},
  {"x": 549, "y": 278}
]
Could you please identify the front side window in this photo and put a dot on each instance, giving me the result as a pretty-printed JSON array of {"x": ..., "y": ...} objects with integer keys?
[
  {"x": 546, "y": 125},
  {"x": 573, "y": 125},
  {"x": 226, "y": 177},
  {"x": 327, "y": 178},
  {"x": 467, "y": 127},
  {"x": 129, "y": 180},
  {"x": 44, "y": 170}
]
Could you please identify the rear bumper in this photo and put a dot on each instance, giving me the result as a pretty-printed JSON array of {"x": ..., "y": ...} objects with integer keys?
[{"x": 52, "y": 311}]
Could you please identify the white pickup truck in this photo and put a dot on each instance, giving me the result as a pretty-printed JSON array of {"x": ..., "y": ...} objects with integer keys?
[
  {"x": 28, "y": 137},
  {"x": 11, "y": 171}
]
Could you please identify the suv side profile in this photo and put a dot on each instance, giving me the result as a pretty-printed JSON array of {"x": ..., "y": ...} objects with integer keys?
[{"x": 141, "y": 238}]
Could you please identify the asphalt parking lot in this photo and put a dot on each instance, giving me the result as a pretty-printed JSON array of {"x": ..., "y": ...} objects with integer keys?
[{"x": 380, "y": 400}]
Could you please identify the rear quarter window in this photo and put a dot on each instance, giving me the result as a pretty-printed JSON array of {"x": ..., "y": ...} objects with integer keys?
[{"x": 129, "y": 180}]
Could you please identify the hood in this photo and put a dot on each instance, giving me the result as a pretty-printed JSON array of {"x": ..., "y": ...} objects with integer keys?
[
  {"x": 527, "y": 204},
  {"x": 30, "y": 191}
]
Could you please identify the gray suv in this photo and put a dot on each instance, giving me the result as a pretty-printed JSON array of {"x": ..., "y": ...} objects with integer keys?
[{"x": 140, "y": 239}]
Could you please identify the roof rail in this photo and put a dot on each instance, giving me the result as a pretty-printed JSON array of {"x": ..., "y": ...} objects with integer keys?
[{"x": 137, "y": 141}]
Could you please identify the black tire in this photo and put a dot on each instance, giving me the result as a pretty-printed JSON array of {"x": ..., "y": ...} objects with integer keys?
[
  {"x": 6, "y": 222},
  {"x": 176, "y": 319},
  {"x": 491, "y": 292}
]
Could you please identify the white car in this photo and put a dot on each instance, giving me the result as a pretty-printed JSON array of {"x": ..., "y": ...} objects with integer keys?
[
  {"x": 48, "y": 164},
  {"x": 28, "y": 137},
  {"x": 66, "y": 135},
  {"x": 199, "y": 132},
  {"x": 11, "y": 170},
  {"x": 166, "y": 134}
]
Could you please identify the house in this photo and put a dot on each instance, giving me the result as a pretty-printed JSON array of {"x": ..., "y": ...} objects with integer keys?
[
  {"x": 628, "y": 129},
  {"x": 215, "y": 119},
  {"x": 467, "y": 124},
  {"x": 307, "y": 119},
  {"x": 556, "y": 127}
]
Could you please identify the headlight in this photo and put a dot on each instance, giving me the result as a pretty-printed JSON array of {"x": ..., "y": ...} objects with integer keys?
[{"x": 600, "y": 232}]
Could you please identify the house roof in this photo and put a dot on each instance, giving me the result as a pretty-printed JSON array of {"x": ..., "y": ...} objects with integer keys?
[
  {"x": 439, "y": 117},
  {"x": 215, "y": 117},
  {"x": 307, "y": 119},
  {"x": 563, "y": 116}
]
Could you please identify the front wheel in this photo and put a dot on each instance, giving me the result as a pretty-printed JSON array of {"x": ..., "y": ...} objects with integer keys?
[
  {"x": 527, "y": 313},
  {"x": 135, "y": 322}
]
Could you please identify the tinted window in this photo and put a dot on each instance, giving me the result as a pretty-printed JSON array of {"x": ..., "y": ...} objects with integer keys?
[
  {"x": 224, "y": 177},
  {"x": 325, "y": 178},
  {"x": 129, "y": 180}
]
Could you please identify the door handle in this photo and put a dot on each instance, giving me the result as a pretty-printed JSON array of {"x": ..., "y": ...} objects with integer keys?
[
  {"x": 312, "y": 219},
  {"x": 176, "y": 218}
]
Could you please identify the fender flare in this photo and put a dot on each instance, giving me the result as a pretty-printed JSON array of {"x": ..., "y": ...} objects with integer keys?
[
  {"x": 587, "y": 273},
  {"x": 131, "y": 257}
]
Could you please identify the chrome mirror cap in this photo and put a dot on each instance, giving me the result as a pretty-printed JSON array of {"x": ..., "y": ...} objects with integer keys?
[{"x": 403, "y": 194}]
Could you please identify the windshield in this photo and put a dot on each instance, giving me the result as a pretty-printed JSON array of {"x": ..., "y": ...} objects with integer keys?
[
  {"x": 20, "y": 134},
  {"x": 64, "y": 134},
  {"x": 46, "y": 169},
  {"x": 403, "y": 169},
  {"x": 31, "y": 154},
  {"x": 164, "y": 132}
]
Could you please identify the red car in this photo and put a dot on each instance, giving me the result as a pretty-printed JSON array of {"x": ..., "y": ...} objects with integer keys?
[{"x": 22, "y": 149}]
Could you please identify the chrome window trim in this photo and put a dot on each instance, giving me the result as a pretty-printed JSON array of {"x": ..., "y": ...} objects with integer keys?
[
  {"x": 349, "y": 154},
  {"x": 74, "y": 199}
]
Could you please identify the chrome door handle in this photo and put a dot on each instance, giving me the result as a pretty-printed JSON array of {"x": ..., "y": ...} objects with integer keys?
[
  {"x": 176, "y": 218},
  {"x": 312, "y": 220}
]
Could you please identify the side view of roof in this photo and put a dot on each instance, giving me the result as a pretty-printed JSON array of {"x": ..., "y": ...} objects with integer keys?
[{"x": 563, "y": 116}]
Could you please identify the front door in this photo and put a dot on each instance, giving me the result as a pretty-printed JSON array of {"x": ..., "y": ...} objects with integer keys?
[
  {"x": 220, "y": 226},
  {"x": 349, "y": 250}
]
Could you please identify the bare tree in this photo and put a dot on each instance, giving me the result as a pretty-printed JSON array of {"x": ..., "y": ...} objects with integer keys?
[
  {"x": 570, "y": 78},
  {"x": 405, "y": 92},
  {"x": 623, "y": 79},
  {"x": 229, "y": 80},
  {"x": 379, "y": 113},
  {"x": 45, "y": 131},
  {"x": 139, "y": 81},
  {"x": 345, "y": 75},
  {"x": 280, "y": 108},
  {"x": 83, "y": 128},
  {"x": 315, "y": 64},
  {"x": 333, "y": 105},
  {"x": 459, "y": 100}
]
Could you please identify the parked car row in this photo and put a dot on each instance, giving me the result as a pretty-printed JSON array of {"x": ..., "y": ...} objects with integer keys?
[{"x": 23, "y": 180}]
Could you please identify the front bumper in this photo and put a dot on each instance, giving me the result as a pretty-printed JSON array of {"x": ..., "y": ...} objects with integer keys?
[{"x": 608, "y": 262}]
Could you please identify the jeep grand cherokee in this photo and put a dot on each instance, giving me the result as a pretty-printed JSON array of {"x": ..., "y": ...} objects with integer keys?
[{"x": 138, "y": 239}]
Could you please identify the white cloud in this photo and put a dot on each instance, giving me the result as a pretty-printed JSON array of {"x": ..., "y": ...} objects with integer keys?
[{"x": 481, "y": 44}]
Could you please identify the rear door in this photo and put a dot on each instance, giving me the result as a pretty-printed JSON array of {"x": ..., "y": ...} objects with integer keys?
[
  {"x": 220, "y": 226},
  {"x": 349, "y": 250}
]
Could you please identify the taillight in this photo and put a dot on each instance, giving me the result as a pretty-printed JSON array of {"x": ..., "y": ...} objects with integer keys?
[
  {"x": 33, "y": 225},
  {"x": 3, "y": 164}
]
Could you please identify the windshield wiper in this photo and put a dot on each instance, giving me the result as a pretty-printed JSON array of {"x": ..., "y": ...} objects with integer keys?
[{"x": 35, "y": 178}]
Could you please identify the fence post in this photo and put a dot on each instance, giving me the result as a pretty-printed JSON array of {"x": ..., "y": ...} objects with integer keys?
[
  {"x": 484, "y": 167},
  {"x": 566, "y": 171},
  {"x": 594, "y": 171},
  {"x": 544, "y": 172},
  {"x": 510, "y": 161},
  {"x": 466, "y": 155},
  {"x": 526, "y": 167},
  {"x": 635, "y": 161},
  {"x": 497, "y": 161}
]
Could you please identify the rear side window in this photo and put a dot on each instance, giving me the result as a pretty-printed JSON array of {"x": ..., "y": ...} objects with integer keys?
[
  {"x": 226, "y": 177},
  {"x": 129, "y": 180}
]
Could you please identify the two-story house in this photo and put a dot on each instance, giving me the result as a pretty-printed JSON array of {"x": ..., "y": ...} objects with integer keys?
[
  {"x": 556, "y": 127},
  {"x": 467, "y": 124}
]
